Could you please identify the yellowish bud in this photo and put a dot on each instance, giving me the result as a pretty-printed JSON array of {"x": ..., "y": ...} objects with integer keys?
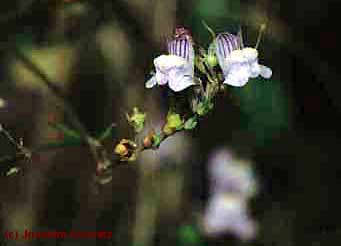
[
  {"x": 167, "y": 130},
  {"x": 121, "y": 149},
  {"x": 149, "y": 139}
]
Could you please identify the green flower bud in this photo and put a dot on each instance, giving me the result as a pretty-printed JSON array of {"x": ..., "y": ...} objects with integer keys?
[
  {"x": 191, "y": 123},
  {"x": 204, "y": 107},
  {"x": 211, "y": 60},
  {"x": 137, "y": 119},
  {"x": 174, "y": 121}
]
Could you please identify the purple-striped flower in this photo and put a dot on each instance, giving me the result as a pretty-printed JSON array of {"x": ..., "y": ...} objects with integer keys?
[
  {"x": 176, "y": 68},
  {"x": 237, "y": 63}
]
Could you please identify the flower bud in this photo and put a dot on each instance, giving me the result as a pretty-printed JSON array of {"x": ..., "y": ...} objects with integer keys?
[
  {"x": 126, "y": 150},
  {"x": 121, "y": 149},
  {"x": 167, "y": 130},
  {"x": 137, "y": 119},
  {"x": 149, "y": 139},
  {"x": 211, "y": 60},
  {"x": 173, "y": 123}
]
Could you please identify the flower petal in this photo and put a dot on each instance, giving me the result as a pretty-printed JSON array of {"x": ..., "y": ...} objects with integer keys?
[
  {"x": 165, "y": 63},
  {"x": 227, "y": 213},
  {"x": 225, "y": 44},
  {"x": 250, "y": 54},
  {"x": 182, "y": 46},
  {"x": 180, "y": 78},
  {"x": 265, "y": 72},
  {"x": 237, "y": 56},
  {"x": 227, "y": 173},
  {"x": 161, "y": 77},
  {"x": 254, "y": 69},
  {"x": 151, "y": 82},
  {"x": 238, "y": 75}
]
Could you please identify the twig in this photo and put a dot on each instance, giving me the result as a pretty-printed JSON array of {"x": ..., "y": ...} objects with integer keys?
[
  {"x": 96, "y": 148},
  {"x": 20, "y": 146}
]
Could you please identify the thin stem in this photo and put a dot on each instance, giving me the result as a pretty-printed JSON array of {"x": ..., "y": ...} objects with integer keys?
[
  {"x": 209, "y": 29},
  {"x": 261, "y": 30},
  {"x": 20, "y": 146},
  {"x": 9, "y": 137},
  {"x": 240, "y": 34},
  {"x": 97, "y": 150}
]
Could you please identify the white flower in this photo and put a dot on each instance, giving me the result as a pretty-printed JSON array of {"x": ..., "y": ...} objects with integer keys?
[
  {"x": 176, "y": 68},
  {"x": 238, "y": 64}
]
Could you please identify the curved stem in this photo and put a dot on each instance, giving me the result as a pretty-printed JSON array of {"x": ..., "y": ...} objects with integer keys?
[{"x": 97, "y": 150}]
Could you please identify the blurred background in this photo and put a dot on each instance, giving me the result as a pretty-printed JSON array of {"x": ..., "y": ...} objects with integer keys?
[{"x": 100, "y": 53}]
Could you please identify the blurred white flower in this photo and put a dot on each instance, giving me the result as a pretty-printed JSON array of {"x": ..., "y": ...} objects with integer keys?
[
  {"x": 229, "y": 174},
  {"x": 228, "y": 213},
  {"x": 232, "y": 184}
]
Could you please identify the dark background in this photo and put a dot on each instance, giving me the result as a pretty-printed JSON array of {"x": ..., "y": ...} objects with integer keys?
[{"x": 298, "y": 164}]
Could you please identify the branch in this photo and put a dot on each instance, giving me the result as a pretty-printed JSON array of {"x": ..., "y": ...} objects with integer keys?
[{"x": 97, "y": 150}]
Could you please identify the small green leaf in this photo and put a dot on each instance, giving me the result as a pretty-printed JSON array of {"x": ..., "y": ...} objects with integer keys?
[
  {"x": 106, "y": 133},
  {"x": 67, "y": 142},
  {"x": 13, "y": 170},
  {"x": 137, "y": 119},
  {"x": 191, "y": 123},
  {"x": 204, "y": 107},
  {"x": 157, "y": 140},
  {"x": 200, "y": 65},
  {"x": 189, "y": 235},
  {"x": 65, "y": 130},
  {"x": 209, "y": 104}
]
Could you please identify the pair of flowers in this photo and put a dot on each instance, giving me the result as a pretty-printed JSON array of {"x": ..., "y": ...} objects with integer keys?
[{"x": 177, "y": 68}]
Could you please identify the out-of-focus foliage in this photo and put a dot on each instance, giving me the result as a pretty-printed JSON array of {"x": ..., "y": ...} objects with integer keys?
[
  {"x": 221, "y": 15},
  {"x": 264, "y": 109},
  {"x": 188, "y": 235}
]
